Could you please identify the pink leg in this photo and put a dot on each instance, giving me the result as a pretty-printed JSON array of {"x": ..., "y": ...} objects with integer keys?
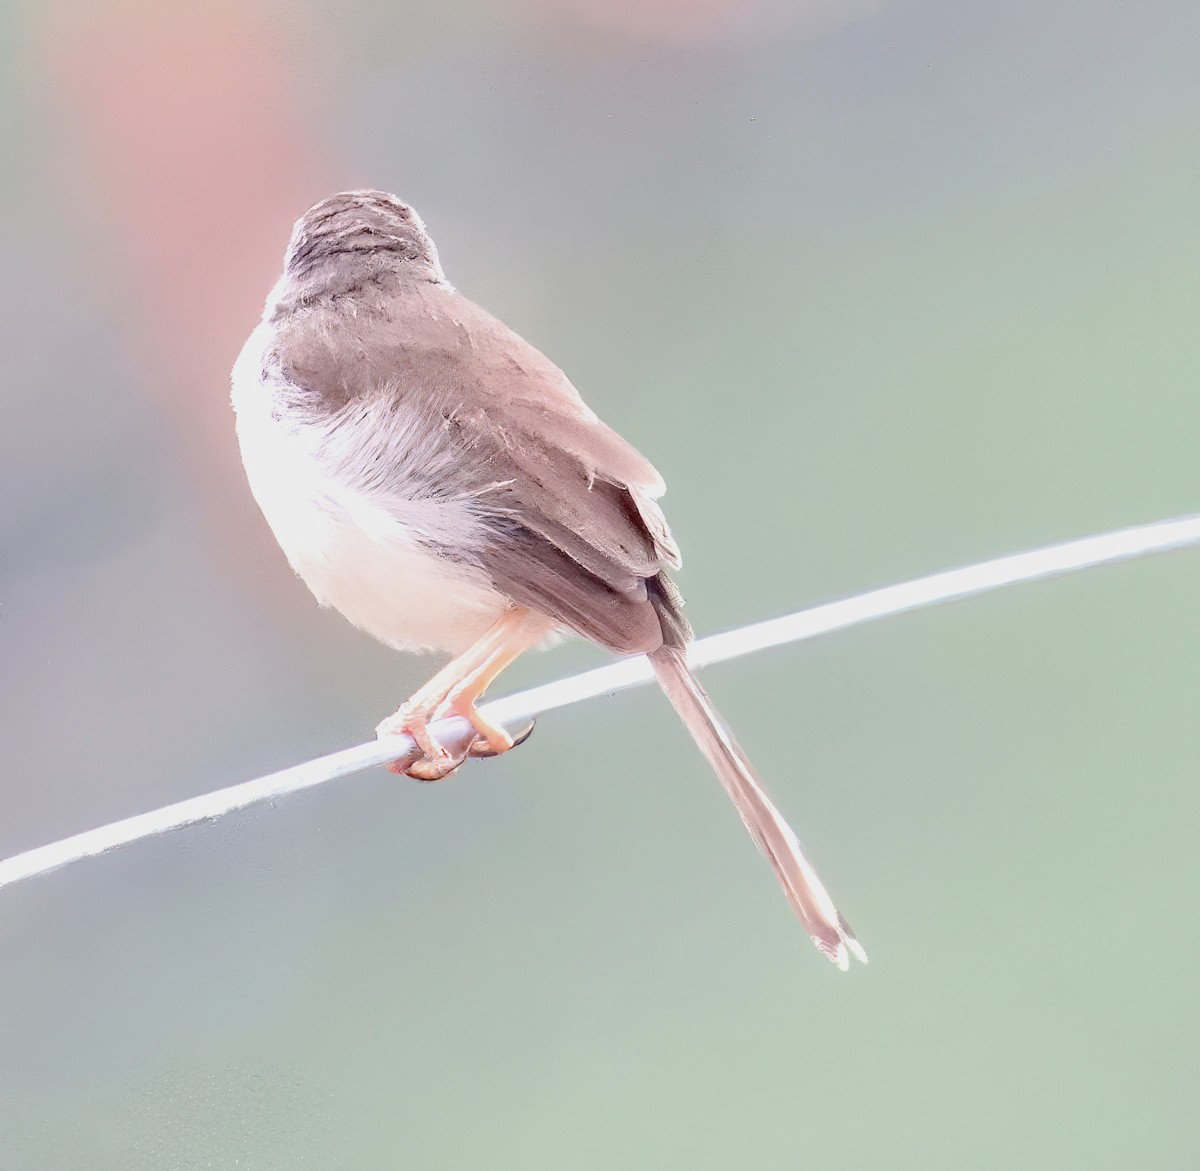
[{"x": 457, "y": 687}]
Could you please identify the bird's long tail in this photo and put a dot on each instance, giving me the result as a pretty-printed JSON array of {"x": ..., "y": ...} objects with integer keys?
[{"x": 829, "y": 931}]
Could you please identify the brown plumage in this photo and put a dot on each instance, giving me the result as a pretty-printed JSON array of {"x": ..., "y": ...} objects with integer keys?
[{"x": 441, "y": 482}]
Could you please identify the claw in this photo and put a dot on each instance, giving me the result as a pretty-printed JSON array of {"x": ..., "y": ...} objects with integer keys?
[
  {"x": 429, "y": 759},
  {"x": 438, "y": 761},
  {"x": 424, "y": 769},
  {"x": 481, "y": 749}
]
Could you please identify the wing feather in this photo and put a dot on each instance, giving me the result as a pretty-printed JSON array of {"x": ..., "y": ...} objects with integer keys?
[{"x": 441, "y": 400}]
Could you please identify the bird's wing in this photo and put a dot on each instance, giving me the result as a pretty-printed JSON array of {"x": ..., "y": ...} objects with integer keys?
[
  {"x": 446, "y": 398},
  {"x": 575, "y": 539}
]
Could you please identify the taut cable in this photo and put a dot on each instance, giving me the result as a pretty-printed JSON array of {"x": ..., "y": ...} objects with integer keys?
[{"x": 518, "y": 709}]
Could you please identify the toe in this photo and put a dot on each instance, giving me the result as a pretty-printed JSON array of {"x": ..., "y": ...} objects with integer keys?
[
  {"x": 483, "y": 747},
  {"x": 435, "y": 767},
  {"x": 428, "y": 770}
]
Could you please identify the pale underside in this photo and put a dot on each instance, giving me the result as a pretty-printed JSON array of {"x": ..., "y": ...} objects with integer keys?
[{"x": 365, "y": 560}]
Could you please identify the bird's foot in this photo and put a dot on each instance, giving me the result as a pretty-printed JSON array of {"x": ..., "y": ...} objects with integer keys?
[
  {"x": 436, "y": 761},
  {"x": 482, "y": 748},
  {"x": 492, "y": 739}
]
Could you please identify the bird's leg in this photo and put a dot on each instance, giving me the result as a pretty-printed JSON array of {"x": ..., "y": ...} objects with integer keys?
[
  {"x": 455, "y": 689},
  {"x": 461, "y": 701}
]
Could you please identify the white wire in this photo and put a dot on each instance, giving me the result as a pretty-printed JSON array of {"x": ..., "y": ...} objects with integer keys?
[{"x": 1102, "y": 549}]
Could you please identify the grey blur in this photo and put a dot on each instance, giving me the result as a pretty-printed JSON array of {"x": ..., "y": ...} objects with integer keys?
[{"x": 913, "y": 284}]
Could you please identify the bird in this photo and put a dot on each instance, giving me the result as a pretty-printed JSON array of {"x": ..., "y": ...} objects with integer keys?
[{"x": 439, "y": 481}]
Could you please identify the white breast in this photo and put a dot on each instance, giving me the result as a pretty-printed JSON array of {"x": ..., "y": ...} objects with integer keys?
[{"x": 363, "y": 559}]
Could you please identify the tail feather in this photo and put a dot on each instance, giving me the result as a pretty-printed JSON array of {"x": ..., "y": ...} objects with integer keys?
[{"x": 804, "y": 890}]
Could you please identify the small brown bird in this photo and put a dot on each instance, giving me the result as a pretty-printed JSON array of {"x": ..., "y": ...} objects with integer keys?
[{"x": 441, "y": 483}]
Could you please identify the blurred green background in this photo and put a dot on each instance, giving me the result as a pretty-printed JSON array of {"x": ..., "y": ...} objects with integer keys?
[{"x": 882, "y": 287}]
